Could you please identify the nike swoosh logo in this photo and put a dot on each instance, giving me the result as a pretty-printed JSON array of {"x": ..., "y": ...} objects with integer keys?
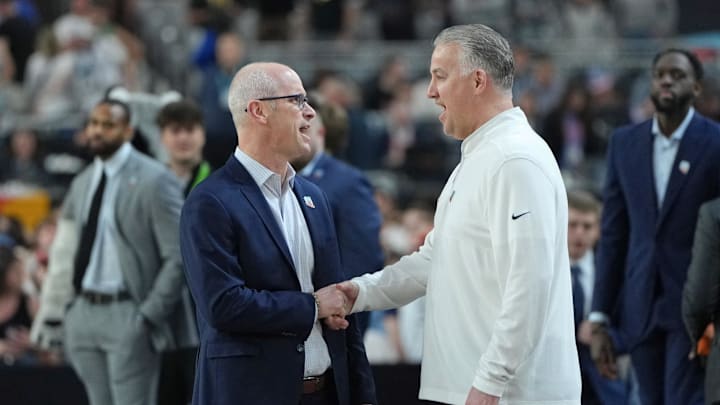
[{"x": 514, "y": 217}]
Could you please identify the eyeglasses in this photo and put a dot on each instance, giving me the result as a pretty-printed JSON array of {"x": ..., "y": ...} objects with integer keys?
[{"x": 300, "y": 100}]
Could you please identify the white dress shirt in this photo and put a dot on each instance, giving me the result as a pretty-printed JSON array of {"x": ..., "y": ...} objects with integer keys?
[
  {"x": 289, "y": 216},
  {"x": 103, "y": 273},
  {"x": 664, "y": 152},
  {"x": 587, "y": 278}
]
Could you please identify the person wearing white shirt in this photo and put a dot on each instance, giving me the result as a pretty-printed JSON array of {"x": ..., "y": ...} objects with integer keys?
[{"x": 494, "y": 270}]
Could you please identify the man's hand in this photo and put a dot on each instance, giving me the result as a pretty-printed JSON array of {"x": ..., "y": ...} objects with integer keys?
[
  {"x": 602, "y": 351},
  {"x": 331, "y": 302},
  {"x": 584, "y": 333},
  {"x": 349, "y": 291},
  {"x": 477, "y": 397}
]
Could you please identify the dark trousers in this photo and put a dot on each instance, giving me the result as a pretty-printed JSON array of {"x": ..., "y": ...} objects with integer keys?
[
  {"x": 177, "y": 376},
  {"x": 665, "y": 374}
]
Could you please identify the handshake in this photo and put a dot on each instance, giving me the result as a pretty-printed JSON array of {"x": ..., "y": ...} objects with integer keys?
[{"x": 336, "y": 301}]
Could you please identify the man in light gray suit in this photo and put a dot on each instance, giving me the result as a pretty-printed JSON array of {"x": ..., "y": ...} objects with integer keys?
[{"x": 116, "y": 267}]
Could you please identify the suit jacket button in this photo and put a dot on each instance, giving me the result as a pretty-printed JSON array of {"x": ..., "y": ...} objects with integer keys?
[{"x": 300, "y": 348}]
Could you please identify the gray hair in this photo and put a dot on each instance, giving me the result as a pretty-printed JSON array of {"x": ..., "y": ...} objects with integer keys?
[
  {"x": 250, "y": 83},
  {"x": 482, "y": 48}
]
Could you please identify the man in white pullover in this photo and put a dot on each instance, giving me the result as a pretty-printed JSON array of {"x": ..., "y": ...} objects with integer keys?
[{"x": 499, "y": 318}]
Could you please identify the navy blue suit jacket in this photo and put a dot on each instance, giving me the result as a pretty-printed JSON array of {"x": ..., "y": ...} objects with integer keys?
[
  {"x": 644, "y": 250},
  {"x": 357, "y": 217},
  {"x": 252, "y": 316}
]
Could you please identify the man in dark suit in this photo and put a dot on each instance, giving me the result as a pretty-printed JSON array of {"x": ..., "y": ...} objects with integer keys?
[
  {"x": 659, "y": 173},
  {"x": 701, "y": 296},
  {"x": 257, "y": 241},
  {"x": 115, "y": 266},
  {"x": 583, "y": 234},
  {"x": 355, "y": 213}
]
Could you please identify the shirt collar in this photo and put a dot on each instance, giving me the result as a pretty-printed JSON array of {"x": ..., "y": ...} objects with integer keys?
[
  {"x": 113, "y": 165},
  {"x": 677, "y": 135},
  {"x": 262, "y": 174},
  {"x": 511, "y": 115},
  {"x": 308, "y": 169},
  {"x": 586, "y": 261}
]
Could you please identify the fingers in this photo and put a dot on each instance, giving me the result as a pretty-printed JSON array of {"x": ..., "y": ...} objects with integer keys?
[
  {"x": 331, "y": 301},
  {"x": 603, "y": 353},
  {"x": 336, "y": 322}
]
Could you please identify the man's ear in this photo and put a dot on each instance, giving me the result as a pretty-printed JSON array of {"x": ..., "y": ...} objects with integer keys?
[
  {"x": 480, "y": 80},
  {"x": 257, "y": 111}
]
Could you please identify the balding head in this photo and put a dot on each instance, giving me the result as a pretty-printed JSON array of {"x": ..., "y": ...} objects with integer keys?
[{"x": 255, "y": 81}]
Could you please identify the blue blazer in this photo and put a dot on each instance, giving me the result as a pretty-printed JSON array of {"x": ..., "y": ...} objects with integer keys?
[
  {"x": 644, "y": 250},
  {"x": 253, "y": 318},
  {"x": 357, "y": 217}
]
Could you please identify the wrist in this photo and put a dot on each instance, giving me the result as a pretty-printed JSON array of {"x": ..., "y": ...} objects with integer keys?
[{"x": 317, "y": 305}]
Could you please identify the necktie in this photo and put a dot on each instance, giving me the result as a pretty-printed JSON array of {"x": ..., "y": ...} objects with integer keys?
[
  {"x": 578, "y": 295},
  {"x": 87, "y": 238}
]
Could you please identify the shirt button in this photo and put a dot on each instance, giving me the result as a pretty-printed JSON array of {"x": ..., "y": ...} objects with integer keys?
[{"x": 300, "y": 348}]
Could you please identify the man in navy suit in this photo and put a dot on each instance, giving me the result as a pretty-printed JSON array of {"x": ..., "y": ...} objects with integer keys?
[
  {"x": 257, "y": 241},
  {"x": 659, "y": 173},
  {"x": 356, "y": 215},
  {"x": 583, "y": 234}
]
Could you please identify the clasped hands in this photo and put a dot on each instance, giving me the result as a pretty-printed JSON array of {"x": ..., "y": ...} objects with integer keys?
[{"x": 335, "y": 301}]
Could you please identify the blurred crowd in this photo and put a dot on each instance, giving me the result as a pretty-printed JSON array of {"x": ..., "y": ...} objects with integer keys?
[{"x": 59, "y": 58}]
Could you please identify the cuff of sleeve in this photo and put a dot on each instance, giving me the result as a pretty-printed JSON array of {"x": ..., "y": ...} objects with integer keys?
[
  {"x": 361, "y": 298},
  {"x": 317, "y": 307},
  {"x": 489, "y": 387},
  {"x": 598, "y": 317}
]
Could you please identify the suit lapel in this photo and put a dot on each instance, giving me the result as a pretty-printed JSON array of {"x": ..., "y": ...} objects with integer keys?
[
  {"x": 253, "y": 194},
  {"x": 639, "y": 157},
  {"x": 689, "y": 152}
]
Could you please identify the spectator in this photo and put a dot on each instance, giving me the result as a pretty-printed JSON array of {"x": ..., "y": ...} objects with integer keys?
[
  {"x": 182, "y": 134},
  {"x": 24, "y": 160},
  {"x": 212, "y": 97},
  {"x": 16, "y": 310},
  {"x": 569, "y": 132},
  {"x": 20, "y": 34}
]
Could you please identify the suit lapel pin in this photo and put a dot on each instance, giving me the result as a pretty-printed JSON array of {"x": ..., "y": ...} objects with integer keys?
[
  {"x": 684, "y": 166},
  {"x": 308, "y": 201}
]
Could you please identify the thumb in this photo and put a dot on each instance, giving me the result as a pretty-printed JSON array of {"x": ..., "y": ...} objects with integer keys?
[{"x": 348, "y": 288}]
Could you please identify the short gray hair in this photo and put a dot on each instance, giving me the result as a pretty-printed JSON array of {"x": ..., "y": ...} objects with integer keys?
[
  {"x": 482, "y": 48},
  {"x": 250, "y": 83}
]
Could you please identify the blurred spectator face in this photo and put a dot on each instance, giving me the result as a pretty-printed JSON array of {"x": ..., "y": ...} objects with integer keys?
[
  {"x": 229, "y": 51},
  {"x": 544, "y": 72},
  {"x": 674, "y": 86},
  {"x": 11, "y": 272},
  {"x": 80, "y": 7},
  {"x": 583, "y": 232},
  {"x": 184, "y": 144},
  {"x": 451, "y": 90},
  {"x": 107, "y": 129},
  {"x": 23, "y": 145},
  {"x": 577, "y": 100}
]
